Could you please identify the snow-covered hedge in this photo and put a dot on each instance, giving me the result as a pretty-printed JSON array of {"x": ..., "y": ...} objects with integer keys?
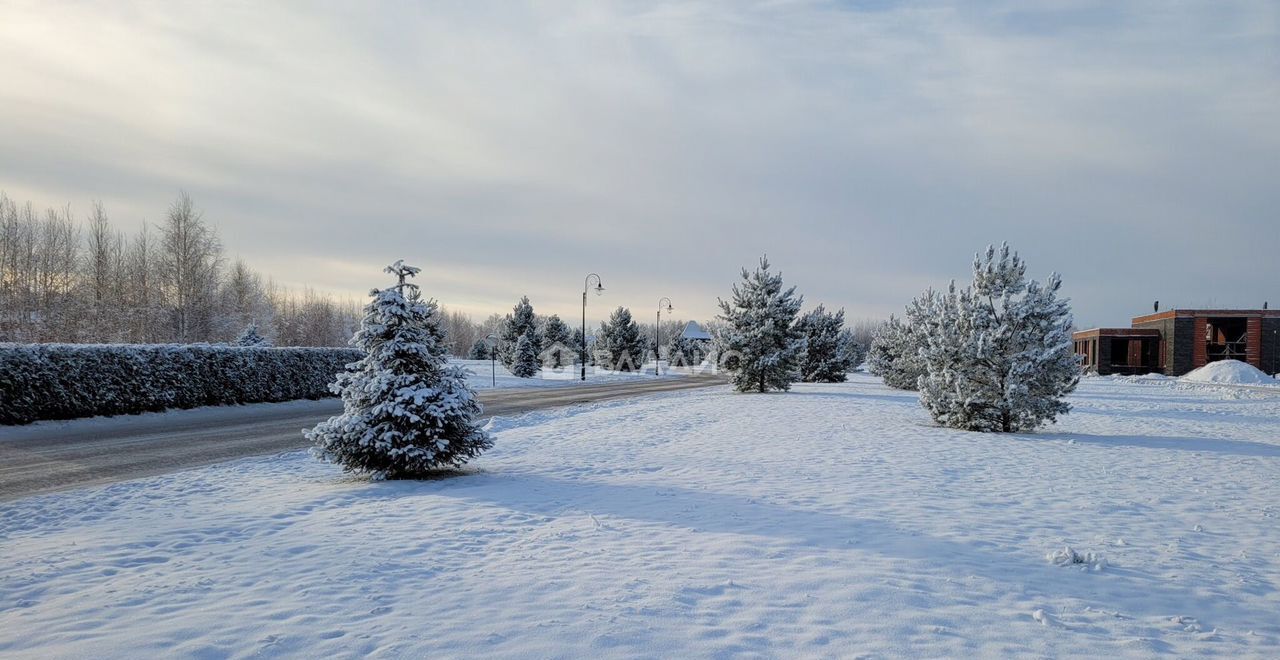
[{"x": 64, "y": 381}]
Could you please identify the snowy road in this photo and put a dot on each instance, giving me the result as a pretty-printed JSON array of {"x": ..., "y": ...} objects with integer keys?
[{"x": 52, "y": 456}]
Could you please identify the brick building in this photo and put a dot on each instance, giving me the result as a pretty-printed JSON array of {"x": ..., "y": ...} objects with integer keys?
[{"x": 1180, "y": 340}]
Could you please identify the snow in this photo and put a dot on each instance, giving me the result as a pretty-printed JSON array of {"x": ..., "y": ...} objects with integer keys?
[
  {"x": 835, "y": 520},
  {"x": 484, "y": 373},
  {"x": 1229, "y": 372},
  {"x": 694, "y": 331}
]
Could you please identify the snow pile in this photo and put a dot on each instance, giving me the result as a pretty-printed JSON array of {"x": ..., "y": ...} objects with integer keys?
[
  {"x": 1229, "y": 372},
  {"x": 1068, "y": 557}
]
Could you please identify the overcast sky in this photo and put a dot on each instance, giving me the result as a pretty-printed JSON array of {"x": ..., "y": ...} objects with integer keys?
[{"x": 869, "y": 148}]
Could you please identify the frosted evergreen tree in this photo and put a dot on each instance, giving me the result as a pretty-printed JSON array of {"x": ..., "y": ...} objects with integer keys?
[
  {"x": 526, "y": 362},
  {"x": 852, "y": 350},
  {"x": 480, "y": 350},
  {"x": 406, "y": 410},
  {"x": 519, "y": 323},
  {"x": 884, "y": 349},
  {"x": 826, "y": 359},
  {"x": 557, "y": 342},
  {"x": 998, "y": 353},
  {"x": 619, "y": 344},
  {"x": 895, "y": 355},
  {"x": 685, "y": 352},
  {"x": 250, "y": 337},
  {"x": 759, "y": 343}
]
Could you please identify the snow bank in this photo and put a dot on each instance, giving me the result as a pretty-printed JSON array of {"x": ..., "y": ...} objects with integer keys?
[{"x": 1229, "y": 372}]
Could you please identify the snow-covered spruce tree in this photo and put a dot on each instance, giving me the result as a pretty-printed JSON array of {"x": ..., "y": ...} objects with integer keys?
[
  {"x": 619, "y": 345},
  {"x": 759, "y": 343},
  {"x": 480, "y": 350},
  {"x": 998, "y": 354},
  {"x": 520, "y": 322},
  {"x": 526, "y": 363},
  {"x": 250, "y": 337},
  {"x": 825, "y": 359},
  {"x": 557, "y": 343},
  {"x": 406, "y": 410}
]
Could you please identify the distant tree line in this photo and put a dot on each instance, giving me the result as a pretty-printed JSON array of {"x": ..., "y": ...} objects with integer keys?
[
  {"x": 74, "y": 279},
  {"x": 67, "y": 280}
]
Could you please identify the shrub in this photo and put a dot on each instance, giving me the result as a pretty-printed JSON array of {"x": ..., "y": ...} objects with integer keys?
[{"x": 65, "y": 381}]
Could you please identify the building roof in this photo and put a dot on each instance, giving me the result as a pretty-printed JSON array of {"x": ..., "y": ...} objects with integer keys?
[
  {"x": 694, "y": 331},
  {"x": 1200, "y": 313},
  {"x": 1115, "y": 332}
]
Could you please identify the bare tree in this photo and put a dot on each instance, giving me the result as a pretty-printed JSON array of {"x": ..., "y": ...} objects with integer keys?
[
  {"x": 190, "y": 261},
  {"x": 57, "y": 256},
  {"x": 460, "y": 331},
  {"x": 243, "y": 301},
  {"x": 143, "y": 296},
  {"x": 102, "y": 278}
]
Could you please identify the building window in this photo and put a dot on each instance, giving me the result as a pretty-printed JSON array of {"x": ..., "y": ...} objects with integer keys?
[{"x": 1226, "y": 339}]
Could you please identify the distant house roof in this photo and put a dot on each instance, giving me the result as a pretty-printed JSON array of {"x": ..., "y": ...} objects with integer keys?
[{"x": 694, "y": 331}]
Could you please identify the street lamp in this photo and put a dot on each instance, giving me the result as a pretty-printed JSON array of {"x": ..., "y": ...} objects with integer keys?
[
  {"x": 493, "y": 360},
  {"x": 657, "y": 368},
  {"x": 586, "y": 284}
]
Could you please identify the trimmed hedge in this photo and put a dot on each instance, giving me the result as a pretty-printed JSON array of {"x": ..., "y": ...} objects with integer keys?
[{"x": 65, "y": 381}]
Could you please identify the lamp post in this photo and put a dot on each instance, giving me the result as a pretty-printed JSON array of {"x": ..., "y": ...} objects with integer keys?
[
  {"x": 657, "y": 368},
  {"x": 493, "y": 360},
  {"x": 586, "y": 284}
]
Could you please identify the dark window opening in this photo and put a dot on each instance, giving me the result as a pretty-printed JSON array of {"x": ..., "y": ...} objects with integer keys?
[
  {"x": 1135, "y": 354},
  {"x": 1226, "y": 339}
]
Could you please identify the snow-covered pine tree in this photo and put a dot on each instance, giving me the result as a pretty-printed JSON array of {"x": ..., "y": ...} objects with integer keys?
[
  {"x": 759, "y": 343},
  {"x": 895, "y": 353},
  {"x": 825, "y": 359},
  {"x": 998, "y": 354},
  {"x": 557, "y": 343},
  {"x": 884, "y": 349},
  {"x": 520, "y": 322},
  {"x": 250, "y": 337},
  {"x": 685, "y": 352},
  {"x": 619, "y": 344},
  {"x": 406, "y": 410},
  {"x": 480, "y": 350},
  {"x": 526, "y": 363},
  {"x": 851, "y": 348}
]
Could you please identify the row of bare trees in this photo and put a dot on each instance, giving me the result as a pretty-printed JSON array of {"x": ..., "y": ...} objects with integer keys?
[{"x": 63, "y": 280}]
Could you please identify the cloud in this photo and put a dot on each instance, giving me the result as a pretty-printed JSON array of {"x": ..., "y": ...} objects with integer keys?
[{"x": 869, "y": 148}]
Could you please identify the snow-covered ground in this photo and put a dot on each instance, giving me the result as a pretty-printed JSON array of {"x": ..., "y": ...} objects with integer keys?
[
  {"x": 831, "y": 521},
  {"x": 486, "y": 374}
]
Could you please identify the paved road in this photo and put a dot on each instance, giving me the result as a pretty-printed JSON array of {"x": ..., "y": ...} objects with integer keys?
[{"x": 54, "y": 456}]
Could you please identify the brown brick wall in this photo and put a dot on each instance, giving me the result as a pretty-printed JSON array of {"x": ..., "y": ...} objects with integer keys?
[
  {"x": 1253, "y": 345},
  {"x": 1199, "y": 357}
]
